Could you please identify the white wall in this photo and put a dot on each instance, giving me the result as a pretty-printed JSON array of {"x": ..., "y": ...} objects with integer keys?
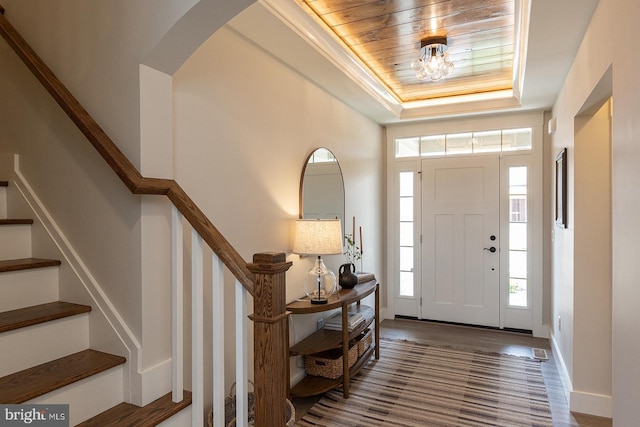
[
  {"x": 592, "y": 288},
  {"x": 613, "y": 22},
  {"x": 244, "y": 126}
]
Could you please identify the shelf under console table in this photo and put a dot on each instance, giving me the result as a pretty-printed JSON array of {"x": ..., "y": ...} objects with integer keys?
[{"x": 325, "y": 339}]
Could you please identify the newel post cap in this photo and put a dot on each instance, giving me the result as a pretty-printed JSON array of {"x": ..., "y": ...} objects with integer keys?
[{"x": 269, "y": 263}]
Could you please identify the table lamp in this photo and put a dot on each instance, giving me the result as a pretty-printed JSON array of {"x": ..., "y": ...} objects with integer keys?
[{"x": 318, "y": 237}]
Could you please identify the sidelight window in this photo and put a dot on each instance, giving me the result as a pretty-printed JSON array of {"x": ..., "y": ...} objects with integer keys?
[
  {"x": 518, "y": 231},
  {"x": 406, "y": 234}
]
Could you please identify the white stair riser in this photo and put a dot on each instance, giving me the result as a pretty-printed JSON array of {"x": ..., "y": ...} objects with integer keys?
[
  {"x": 16, "y": 241},
  {"x": 37, "y": 344},
  {"x": 181, "y": 419},
  {"x": 88, "y": 397},
  {"x": 24, "y": 288},
  {"x": 3, "y": 202}
]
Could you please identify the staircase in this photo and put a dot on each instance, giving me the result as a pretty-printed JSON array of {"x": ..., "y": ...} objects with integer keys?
[{"x": 45, "y": 354}]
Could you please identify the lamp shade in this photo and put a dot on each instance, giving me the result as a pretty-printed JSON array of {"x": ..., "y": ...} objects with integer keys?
[{"x": 318, "y": 237}]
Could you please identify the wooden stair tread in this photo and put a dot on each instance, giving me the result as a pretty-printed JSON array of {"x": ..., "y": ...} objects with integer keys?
[
  {"x": 33, "y": 382},
  {"x": 26, "y": 263},
  {"x": 28, "y": 316},
  {"x": 126, "y": 414},
  {"x": 16, "y": 221}
]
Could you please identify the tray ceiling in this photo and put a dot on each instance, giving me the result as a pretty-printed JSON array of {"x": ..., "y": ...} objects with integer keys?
[
  {"x": 361, "y": 51},
  {"x": 385, "y": 36}
]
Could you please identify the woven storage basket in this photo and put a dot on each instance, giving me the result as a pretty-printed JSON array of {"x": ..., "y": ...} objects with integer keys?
[
  {"x": 230, "y": 410},
  {"x": 364, "y": 341},
  {"x": 291, "y": 417},
  {"x": 230, "y": 407},
  {"x": 328, "y": 364}
]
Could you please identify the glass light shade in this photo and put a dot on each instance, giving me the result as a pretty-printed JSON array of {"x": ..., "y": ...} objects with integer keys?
[
  {"x": 422, "y": 74},
  {"x": 417, "y": 64},
  {"x": 320, "y": 283},
  {"x": 434, "y": 62},
  {"x": 436, "y": 75},
  {"x": 432, "y": 65}
]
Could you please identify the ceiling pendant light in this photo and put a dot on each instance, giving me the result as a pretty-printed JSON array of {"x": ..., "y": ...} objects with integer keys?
[{"x": 434, "y": 62}]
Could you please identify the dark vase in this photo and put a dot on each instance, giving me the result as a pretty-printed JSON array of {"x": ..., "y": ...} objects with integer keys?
[{"x": 347, "y": 279}]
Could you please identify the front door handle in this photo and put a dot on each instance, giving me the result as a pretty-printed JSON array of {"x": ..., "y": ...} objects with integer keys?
[{"x": 492, "y": 249}]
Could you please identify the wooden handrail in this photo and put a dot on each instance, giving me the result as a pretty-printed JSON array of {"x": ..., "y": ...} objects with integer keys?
[{"x": 136, "y": 183}]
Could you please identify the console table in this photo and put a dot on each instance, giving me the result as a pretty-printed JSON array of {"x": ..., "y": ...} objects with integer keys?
[{"x": 324, "y": 339}]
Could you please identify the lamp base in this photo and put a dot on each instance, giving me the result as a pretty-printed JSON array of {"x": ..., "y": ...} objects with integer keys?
[{"x": 320, "y": 283}]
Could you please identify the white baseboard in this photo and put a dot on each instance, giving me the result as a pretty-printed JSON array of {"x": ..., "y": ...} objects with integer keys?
[
  {"x": 541, "y": 331},
  {"x": 562, "y": 367},
  {"x": 581, "y": 402},
  {"x": 591, "y": 404},
  {"x": 153, "y": 383}
]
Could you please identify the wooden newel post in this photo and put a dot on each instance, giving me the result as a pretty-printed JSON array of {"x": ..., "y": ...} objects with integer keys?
[{"x": 270, "y": 338}]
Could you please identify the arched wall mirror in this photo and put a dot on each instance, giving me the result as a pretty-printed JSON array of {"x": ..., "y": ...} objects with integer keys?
[{"x": 322, "y": 187}]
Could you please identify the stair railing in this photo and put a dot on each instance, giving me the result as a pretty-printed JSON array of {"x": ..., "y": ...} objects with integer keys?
[{"x": 264, "y": 279}]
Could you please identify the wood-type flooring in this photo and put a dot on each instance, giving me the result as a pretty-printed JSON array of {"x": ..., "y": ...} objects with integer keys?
[{"x": 489, "y": 340}]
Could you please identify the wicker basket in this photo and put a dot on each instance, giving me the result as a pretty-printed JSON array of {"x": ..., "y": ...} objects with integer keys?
[
  {"x": 328, "y": 364},
  {"x": 230, "y": 410},
  {"x": 291, "y": 417},
  {"x": 364, "y": 341},
  {"x": 230, "y": 407}
]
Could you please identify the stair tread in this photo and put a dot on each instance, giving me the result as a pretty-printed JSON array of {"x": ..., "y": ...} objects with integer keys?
[
  {"x": 26, "y": 263},
  {"x": 4, "y": 183},
  {"x": 33, "y": 382},
  {"x": 16, "y": 221},
  {"x": 28, "y": 316},
  {"x": 126, "y": 414}
]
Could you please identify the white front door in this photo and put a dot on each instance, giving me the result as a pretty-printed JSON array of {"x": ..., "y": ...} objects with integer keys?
[{"x": 460, "y": 250}]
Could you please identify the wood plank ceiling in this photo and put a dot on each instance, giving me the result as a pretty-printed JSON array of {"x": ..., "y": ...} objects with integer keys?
[{"x": 385, "y": 35}]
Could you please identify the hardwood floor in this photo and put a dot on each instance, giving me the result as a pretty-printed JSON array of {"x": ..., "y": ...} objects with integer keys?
[{"x": 491, "y": 341}]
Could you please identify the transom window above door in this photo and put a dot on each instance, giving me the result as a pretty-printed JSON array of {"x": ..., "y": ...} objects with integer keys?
[{"x": 488, "y": 141}]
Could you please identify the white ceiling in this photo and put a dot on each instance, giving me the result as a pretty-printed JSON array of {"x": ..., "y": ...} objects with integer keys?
[{"x": 556, "y": 28}]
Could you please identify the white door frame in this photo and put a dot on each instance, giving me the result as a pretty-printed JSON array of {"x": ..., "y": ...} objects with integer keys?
[{"x": 536, "y": 199}]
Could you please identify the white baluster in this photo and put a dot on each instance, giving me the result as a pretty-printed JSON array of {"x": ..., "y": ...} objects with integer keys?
[
  {"x": 197, "y": 328},
  {"x": 217, "y": 304},
  {"x": 242, "y": 409},
  {"x": 177, "y": 312}
]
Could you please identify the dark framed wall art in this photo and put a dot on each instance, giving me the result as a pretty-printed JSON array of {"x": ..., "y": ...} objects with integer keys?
[{"x": 561, "y": 189}]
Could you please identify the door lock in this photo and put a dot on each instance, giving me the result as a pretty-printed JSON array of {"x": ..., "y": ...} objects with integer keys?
[{"x": 492, "y": 249}]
